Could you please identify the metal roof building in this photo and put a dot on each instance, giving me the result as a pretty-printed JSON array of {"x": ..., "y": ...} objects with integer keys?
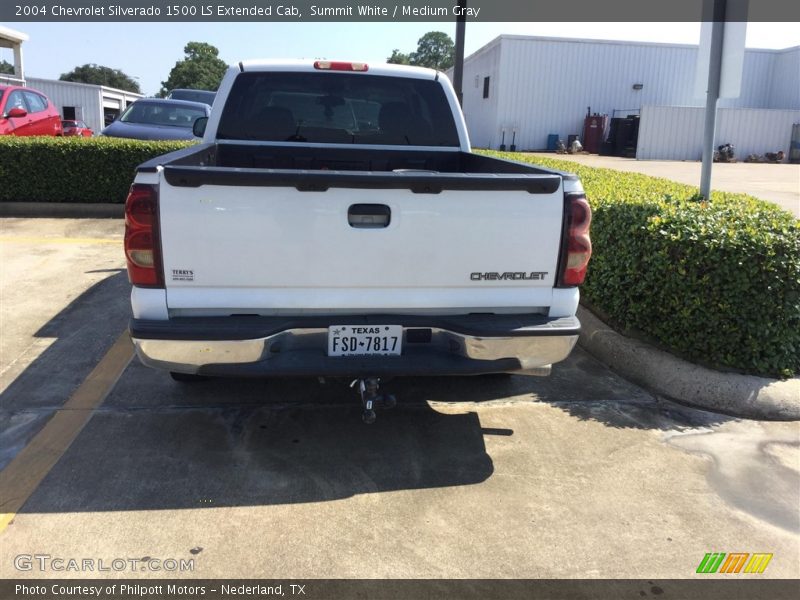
[
  {"x": 524, "y": 89},
  {"x": 94, "y": 104}
]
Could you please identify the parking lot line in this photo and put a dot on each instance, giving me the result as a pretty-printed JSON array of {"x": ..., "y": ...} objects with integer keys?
[
  {"x": 55, "y": 240},
  {"x": 26, "y": 471}
]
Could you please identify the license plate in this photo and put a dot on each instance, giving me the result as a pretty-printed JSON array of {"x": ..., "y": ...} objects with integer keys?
[{"x": 365, "y": 340}]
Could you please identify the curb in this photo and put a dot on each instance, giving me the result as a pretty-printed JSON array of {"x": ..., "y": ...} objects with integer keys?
[
  {"x": 662, "y": 373},
  {"x": 63, "y": 210}
]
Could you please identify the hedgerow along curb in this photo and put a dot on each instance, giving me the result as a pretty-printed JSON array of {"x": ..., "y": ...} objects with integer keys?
[
  {"x": 716, "y": 283},
  {"x": 73, "y": 169},
  {"x": 660, "y": 372}
]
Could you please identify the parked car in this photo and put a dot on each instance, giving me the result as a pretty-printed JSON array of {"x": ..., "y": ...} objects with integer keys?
[
  {"x": 25, "y": 111},
  {"x": 158, "y": 119},
  {"x": 76, "y": 128},
  {"x": 192, "y": 95},
  {"x": 334, "y": 222}
]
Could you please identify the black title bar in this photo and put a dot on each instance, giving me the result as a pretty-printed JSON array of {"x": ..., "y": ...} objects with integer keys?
[
  {"x": 732, "y": 588},
  {"x": 386, "y": 11}
]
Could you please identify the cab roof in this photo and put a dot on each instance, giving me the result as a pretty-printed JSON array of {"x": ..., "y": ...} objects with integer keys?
[{"x": 307, "y": 65}]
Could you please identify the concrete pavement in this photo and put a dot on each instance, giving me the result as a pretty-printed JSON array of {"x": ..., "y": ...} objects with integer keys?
[
  {"x": 778, "y": 183},
  {"x": 581, "y": 474}
]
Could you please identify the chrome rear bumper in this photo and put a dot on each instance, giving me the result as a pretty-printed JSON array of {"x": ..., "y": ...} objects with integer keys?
[{"x": 513, "y": 344}]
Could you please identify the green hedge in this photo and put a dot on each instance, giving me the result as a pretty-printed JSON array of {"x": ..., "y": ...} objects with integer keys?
[
  {"x": 72, "y": 169},
  {"x": 715, "y": 282}
]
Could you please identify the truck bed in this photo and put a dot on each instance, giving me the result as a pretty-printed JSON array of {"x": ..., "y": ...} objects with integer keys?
[{"x": 318, "y": 168}]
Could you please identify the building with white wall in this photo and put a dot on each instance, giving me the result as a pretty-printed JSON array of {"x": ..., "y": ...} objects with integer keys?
[
  {"x": 525, "y": 88},
  {"x": 96, "y": 105}
]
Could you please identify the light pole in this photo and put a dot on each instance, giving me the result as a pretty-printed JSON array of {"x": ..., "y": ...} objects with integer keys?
[
  {"x": 458, "y": 67},
  {"x": 712, "y": 95}
]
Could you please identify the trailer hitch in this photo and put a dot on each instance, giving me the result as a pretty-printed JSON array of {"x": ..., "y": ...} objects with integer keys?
[{"x": 371, "y": 400}]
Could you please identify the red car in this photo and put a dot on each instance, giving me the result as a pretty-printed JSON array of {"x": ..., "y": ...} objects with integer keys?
[
  {"x": 77, "y": 128},
  {"x": 24, "y": 111}
]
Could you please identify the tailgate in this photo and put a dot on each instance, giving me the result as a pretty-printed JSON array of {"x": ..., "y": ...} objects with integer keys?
[{"x": 288, "y": 242}]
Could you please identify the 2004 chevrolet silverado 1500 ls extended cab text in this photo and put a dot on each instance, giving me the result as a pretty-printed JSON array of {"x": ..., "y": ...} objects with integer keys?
[{"x": 334, "y": 222}]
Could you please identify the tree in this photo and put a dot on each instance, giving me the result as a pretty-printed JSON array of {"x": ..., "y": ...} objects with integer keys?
[
  {"x": 398, "y": 58},
  {"x": 100, "y": 75},
  {"x": 435, "y": 50},
  {"x": 201, "y": 69},
  {"x": 6, "y": 68}
]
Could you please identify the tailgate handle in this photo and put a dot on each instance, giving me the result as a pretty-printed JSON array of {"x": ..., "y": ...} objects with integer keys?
[{"x": 369, "y": 216}]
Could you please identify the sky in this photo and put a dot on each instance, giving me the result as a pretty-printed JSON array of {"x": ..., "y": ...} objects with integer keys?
[{"x": 147, "y": 51}]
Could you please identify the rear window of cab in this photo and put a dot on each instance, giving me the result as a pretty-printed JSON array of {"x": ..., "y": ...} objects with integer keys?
[{"x": 338, "y": 108}]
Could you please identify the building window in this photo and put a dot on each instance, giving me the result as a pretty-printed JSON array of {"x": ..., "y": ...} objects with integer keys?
[
  {"x": 69, "y": 113},
  {"x": 485, "y": 87}
]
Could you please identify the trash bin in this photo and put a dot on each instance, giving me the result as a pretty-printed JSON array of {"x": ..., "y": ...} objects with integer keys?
[
  {"x": 552, "y": 142},
  {"x": 593, "y": 130}
]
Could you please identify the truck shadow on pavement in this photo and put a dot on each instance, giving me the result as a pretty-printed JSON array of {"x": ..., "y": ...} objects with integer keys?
[
  {"x": 250, "y": 456},
  {"x": 157, "y": 444},
  {"x": 82, "y": 332},
  {"x": 154, "y": 443}
]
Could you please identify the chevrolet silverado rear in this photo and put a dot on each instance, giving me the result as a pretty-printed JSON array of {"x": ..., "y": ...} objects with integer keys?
[{"x": 334, "y": 222}]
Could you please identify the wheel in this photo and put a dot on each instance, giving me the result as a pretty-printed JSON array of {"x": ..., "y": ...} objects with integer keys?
[{"x": 186, "y": 377}]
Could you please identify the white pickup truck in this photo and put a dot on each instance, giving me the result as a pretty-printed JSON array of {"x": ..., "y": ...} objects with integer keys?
[{"x": 334, "y": 222}]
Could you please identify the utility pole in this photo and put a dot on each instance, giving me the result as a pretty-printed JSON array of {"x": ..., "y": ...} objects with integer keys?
[
  {"x": 458, "y": 67},
  {"x": 712, "y": 95}
]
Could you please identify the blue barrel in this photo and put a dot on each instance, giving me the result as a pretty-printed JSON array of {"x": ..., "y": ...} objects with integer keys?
[{"x": 552, "y": 142}]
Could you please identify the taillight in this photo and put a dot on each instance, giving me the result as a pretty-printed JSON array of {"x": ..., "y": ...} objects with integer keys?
[
  {"x": 333, "y": 65},
  {"x": 142, "y": 245},
  {"x": 577, "y": 247}
]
